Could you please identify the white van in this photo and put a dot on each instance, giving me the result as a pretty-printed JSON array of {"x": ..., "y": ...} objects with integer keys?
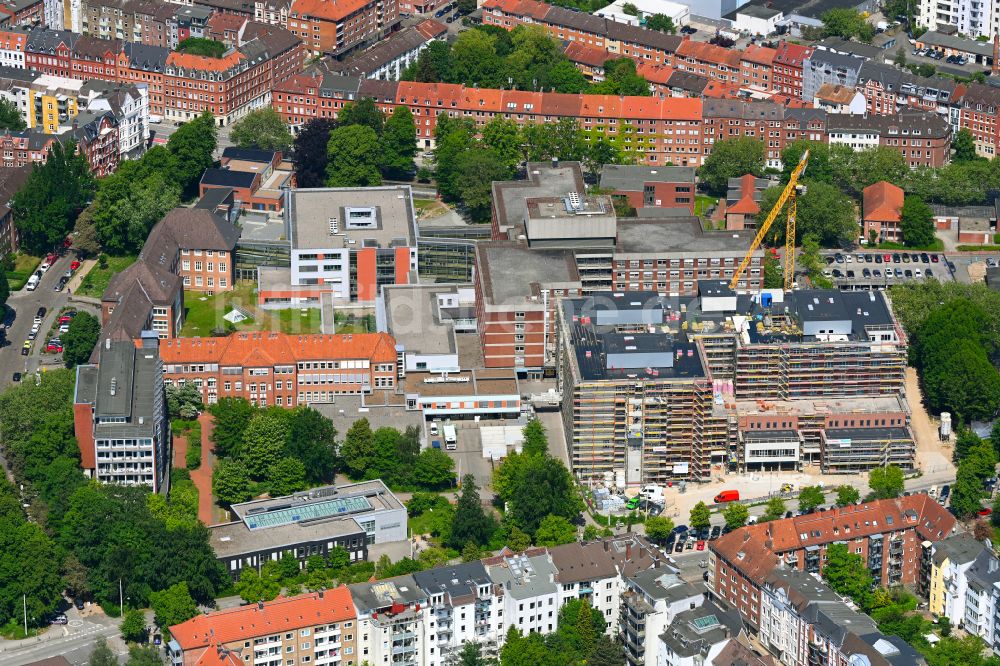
[{"x": 32, "y": 283}]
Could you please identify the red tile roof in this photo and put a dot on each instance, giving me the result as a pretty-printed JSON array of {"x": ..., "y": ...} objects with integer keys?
[
  {"x": 746, "y": 204},
  {"x": 762, "y": 55},
  {"x": 431, "y": 29},
  {"x": 710, "y": 53},
  {"x": 883, "y": 202},
  {"x": 282, "y": 614},
  {"x": 587, "y": 54},
  {"x": 659, "y": 74},
  {"x": 326, "y": 10},
  {"x": 754, "y": 549},
  {"x": 792, "y": 55},
  {"x": 266, "y": 349},
  {"x": 204, "y": 63}
]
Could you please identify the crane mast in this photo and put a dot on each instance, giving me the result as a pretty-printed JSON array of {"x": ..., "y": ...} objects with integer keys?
[{"x": 787, "y": 197}]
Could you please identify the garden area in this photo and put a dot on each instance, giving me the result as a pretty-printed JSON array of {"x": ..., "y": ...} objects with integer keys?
[
  {"x": 97, "y": 280},
  {"x": 20, "y": 269},
  {"x": 204, "y": 314}
]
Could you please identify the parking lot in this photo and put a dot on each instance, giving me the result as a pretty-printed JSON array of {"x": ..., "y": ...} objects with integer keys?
[{"x": 878, "y": 269}]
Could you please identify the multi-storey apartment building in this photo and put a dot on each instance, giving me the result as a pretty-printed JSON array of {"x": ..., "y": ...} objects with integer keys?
[
  {"x": 393, "y": 620},
  {"x": 390, "y": 57},
  {"x": 789, "y": 60},
  {"x": 979, "y": 114},
  {"x": 887, "y": 534},
  {"x": 120, "y": 416},
  {"x": 975, "y": 19},
  {"x": 947, "y": 584},
  {"x": 650, "y": 603},
  {"x": 13, "y": 40},
  {"x": 337, "y": 28},
  {"x": 281, "y": 369},
  {"x": 318, "y": 628},
  {"x": 889, "y": 89},
  {"x": 825, "y": 66},
  {"x": 530, "y": 599},
  {"x": 464, "y": 607},
  {"x": 923, "y": 138},
  {"x": 129, "y": 104},
  {"x": 774, "y": 124}
]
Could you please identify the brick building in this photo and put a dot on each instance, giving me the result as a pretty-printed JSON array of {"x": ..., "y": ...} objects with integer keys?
[
  {"x": 788, "y": 62},
  {"x": 882, "y": 203},
  {"x": 978, "y": 113},
  {"x": 888, "y": 89},
  {"x": 669, "y": 188},
  {"x": 280, "y": 369},
  {"x": 888, "y": 534},
  {"x": 316, "y": 626},
  {"x": 923, "y": 138},
  {"x": 339, "y": 27}
]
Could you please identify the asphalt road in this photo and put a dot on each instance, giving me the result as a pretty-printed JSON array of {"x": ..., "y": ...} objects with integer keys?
[
  {"x": 74, "y": 641},
  {"x": 24, "y": 304}
]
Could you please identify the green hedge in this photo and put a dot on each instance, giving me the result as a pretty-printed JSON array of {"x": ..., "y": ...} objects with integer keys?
[{"x": 190, "y": 430}]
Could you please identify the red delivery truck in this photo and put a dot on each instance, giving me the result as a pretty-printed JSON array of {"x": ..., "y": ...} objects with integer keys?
[{"x": 727, "y": 496}]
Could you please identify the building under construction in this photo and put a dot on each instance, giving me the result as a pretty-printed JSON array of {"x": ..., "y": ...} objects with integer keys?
[{"x": 654, "y": 385}]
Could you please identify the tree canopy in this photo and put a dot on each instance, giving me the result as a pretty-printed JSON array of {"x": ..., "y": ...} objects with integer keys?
[
  {"x": 79, "y": 340},
  {"x": 916, "y": 222},
  {"x": 731, "y": 158},
  {"x": 10, "y": 116},
  {"x": 261, "y": 128}
]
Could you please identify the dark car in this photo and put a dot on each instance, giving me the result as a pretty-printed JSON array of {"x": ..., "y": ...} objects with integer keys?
[
  {"x": 877, "y": 273},
  {"x": 945, "y": 490},
  {"x": 908, "y": 273},
  {"x": 829, "y": 260},
  {"x": 867, "y": 273},
  {"x": 878, "y": 258},
  {"x": 925, "y": 258},
  {"x": 17, "y": 376},
  {"x": 839, "y": 258},
  {"x": 928, "y": 273},
  {"x": 680, "y": 529},
  {"x": 850, "y": 274},
  {"x": 905, "y": 258},
  {"x": 869, "y": 259},
  {"x": 41, "y": 312},
  {"x": 914, "y": 257},
  {"x": 78, "y": 602},
  {"x": 837, "y": 274},
  {"x": 715, "y": 533},
  {"x": 896, "y": 259},
  {"x": 679, "y": 548}
]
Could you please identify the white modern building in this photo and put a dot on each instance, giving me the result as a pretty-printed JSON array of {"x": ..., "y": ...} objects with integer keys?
[
  {"x": 425, "y": 320},
  {"x": 976, "y": 18},
  {"x": 758, "y": 20},
  {"x": 392, "y": 622},
  {"x": 530, "y": 592},
  {"x": 650, "y": 602},
  {"x": 463, "y": 607},
  {"x": 678, "y": 13},
  {"x": 130, "y": 106}
]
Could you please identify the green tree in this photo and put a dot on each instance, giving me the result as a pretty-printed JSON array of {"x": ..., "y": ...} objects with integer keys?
[
  {"x": 620, "y": 78},
  {"x": 253, "y": 587},
  {"x": 434, "y": 470},
  {"x": 453, "y": 136},
  {"x": 471, "y": 523},
  {"x": 285, "y": 477},
  {"x": 263, "y": 441},
  {"x": 886, "y": 482},
  {"x": 231, "y": 481},
  {"x": 847, "y": 574},
  {"x": 775, "y": 510},
  {"x": 312, "y": 439},
  {"x": 916, "y": 221},
  {"x": 310, "y": 148},
  {"x": 736, "y": 515},
  {"x": 79, "y": 340},
  {"x": 129, "y": 203},
  {"x": 202, "y": 46},
  {"x": 474, "y": 59},
  {"x": 773, "y": 276},
  {"x": 399, "y": 143},
  {"x": 847, "y": 23},
  {"x": 503, "y": 137},
  {"x": 477, "y": 169},
  {"x": 102, "y": 655},
  {"x": 471, "y": 655},
  {"x": 193, "y": 147},
  {"x": 659, "y": 528},
  {"x": 731, "y": 158},
  {"x": 870, "y": 166},
  {"x": 630, "y": 9},
  {"x": 606, "y": 653},
  {"x": 10, "y": 116},
  {"x": 517, "y": 540},
  {"x": 534, "y": 487},
  {"x": 263, "y": 128},
  {"x": 358, "y": 449},
  {"x": 47, "y": 205},
  {"x": 824, "y": 213},
  {"x": 183, "y": 401},
  {"x": 231, "y": 416},
  {"x": 701, "y": 516},
  {"x": 554, "y": 531},
  {"x": 144, "y": 655},
  {"x": 661, "y": 23},
  {"x": 133, "y": 626},
  {"x": 811, "y": 497},
  {"x": 847, "y": 495},
  {"x": 363, "y": 112},
  {"x": 172, "y": 606},
  {"x": 352, "y": 157},
  {"x": 30, "y": 567},
  {"x": 811, "y": 262},
  {"x": 535, "y": 441},
  {"x": 964, "y": 145}
]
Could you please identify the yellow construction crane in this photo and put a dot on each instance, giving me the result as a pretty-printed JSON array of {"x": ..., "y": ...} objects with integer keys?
[{"x": 787, "y": 196}]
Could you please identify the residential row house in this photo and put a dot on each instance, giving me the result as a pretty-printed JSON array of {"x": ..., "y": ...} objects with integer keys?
[
  {"x": 337, "y": 28},
  {"x": 964, "y": 586},
  {"x": 180, "y": 86},
  {"x": 95, "y": 134},
  {"x": 425, "y": 618}
]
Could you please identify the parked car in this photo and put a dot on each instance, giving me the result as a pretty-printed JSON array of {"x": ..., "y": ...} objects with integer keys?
[
  {"x": 54, "y": 348},
  {"x": 934, "y": 259},
  {"x": 17, "y": 377},
  {"x": 78, "y": 602},
  {"x": 41, "y": 312},
  {"x": 715, "y": 533},
  {"x": 74, "y": 265},
  {"x": 700, "y": 545},
  {"x": 727, "y": 496},
  {"x": 26, "y": 348},
  {"x": 60, "y": 619}
]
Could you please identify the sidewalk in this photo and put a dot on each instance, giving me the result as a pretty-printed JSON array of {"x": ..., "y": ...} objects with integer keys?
[
  {"x": 180, "y": 451},
  {"x": 202, "y": 477}
]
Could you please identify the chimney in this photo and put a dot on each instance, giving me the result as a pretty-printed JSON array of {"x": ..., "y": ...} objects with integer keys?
[
  {"x": 628, "y": 550},
  {"x": 995, "y": 69}
]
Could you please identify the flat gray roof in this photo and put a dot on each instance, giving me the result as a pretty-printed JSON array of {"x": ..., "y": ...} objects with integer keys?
[
  {"x": 679, "y": 237},
  {"x": 632, "y": 177},
  {"x": 380, "y": 408},
  {"x": 317, "y": 504},
  {"x": 412, "y": 318},
  {"x": 509, "y": 270},
  {"x": 232, "y": 539},
  {"x": 125, "y": 386},
  {"x": 544, "y": 180},
  {"x": 528, "y": 576},
  {"x": 319, "y": 217}
]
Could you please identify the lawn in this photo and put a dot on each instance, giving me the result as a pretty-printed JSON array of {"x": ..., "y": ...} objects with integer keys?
[
  {"x": 204, "y": 314},
  {"x": 96, "y": 281},
  {"x": 24, "y": 266},
  {"x": 428, "y": 209},
  {"x": 702, "y": 203},
  {"x": 936, "y": 246}
]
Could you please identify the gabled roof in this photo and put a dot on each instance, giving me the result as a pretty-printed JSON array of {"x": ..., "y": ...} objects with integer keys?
[
  {"x": 883, "y": 202},
  {"x": 791, "y": 54},
  {"x": 269, "y": 617},
  {"x": 746, "y": 197},
  {"x": 266, "y": 349},
  {"x": 195, "y": 229},
  {"x": 835, "y": 93}
]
